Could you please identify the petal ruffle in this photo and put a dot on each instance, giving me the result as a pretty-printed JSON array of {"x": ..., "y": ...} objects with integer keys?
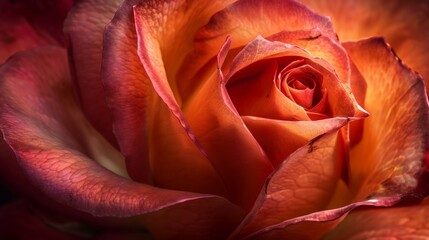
[
  {"x": 84, "y": 29},
  {"x": 389, "y": 159},
  {"x": 44, "y": 128}
]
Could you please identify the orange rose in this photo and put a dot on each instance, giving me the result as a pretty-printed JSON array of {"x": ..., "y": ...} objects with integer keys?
[{"x": 209, "y": 120}]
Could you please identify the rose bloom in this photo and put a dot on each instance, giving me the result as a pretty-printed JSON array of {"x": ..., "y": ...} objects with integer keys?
[{"x": 245, "y": 119}]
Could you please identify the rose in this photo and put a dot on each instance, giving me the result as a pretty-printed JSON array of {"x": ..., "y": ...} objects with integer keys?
[{"x": 165, "y": 116}]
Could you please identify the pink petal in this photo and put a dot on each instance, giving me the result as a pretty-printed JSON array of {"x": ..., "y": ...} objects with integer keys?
[
  {"x": 49, "y": 136},
  {"x": 235, "y": 153},
  {"x": 395, "y": 136},
  {"x": 84, "y": 28},
  {"x": 127, "y": 91}
]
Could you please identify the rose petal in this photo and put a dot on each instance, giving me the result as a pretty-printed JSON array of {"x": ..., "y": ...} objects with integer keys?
[
  {"x": 84, "y": 28},
  {"x": 46, "y": 18},
  {"x": 319, "y": 45},
  {"x": 293, "y": 195},
  {"x": 257, "y": 95},
  {"x": 235, "y": 153},
  {"x": 143, "y": 123},
  {"x": 402, "y": 23},
  {"x": 131, "y": 98},
  {"x": 315, "y": 225},
  {"x": 389, "y": 158},
  {"x": 342, "y": 102},
  {"x": 288, "y": 135},
  {"x": 43, "y": 127},
  {"x": 404, "y": 222},
  {"x": 16, "y": 34},
  {"x": 243, "y": 21}
]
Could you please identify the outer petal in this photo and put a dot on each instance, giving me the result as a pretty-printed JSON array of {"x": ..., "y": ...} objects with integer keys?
[
  {"x": 390, "y": 157},
  {"x": 157, "y": 147},
  {"x": 43, "y": 127},
  {"x": 404, "y": 222},
  {"x": 402, "y": 23},
  {"x": 84, "y": 28}
]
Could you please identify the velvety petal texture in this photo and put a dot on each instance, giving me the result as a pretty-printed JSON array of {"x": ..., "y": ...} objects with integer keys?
[{"x": 51, "y": 147}]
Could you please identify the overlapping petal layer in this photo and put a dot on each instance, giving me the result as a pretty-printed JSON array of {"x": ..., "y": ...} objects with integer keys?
[
  {"x": 84, "y": 29},
  {"x": 56, "y": 148},
  {"x": 237, "y": 156},
  {"x": 404, "y": 222},
  {"x": 389, "y": 158},
  {"x": 238, "y": 22}
]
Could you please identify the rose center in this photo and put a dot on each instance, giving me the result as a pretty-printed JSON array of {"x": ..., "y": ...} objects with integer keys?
[{"x": 301, "y": 83}]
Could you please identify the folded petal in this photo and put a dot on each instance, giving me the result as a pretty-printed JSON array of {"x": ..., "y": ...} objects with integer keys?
[
  {"x": 182, "y": 19},
  {"x": 44, "y": 129},
  {"x": 228, "y": 143},
  {"x": 143, "y": 122},
  {"x": 304, "y": 183},
  {"x": 84, "y": 28},
  {"x": 340, "y": 98},
  {"x": 281, "y": 138},
  {"x": 390, "y": 156},
  {"x": 402, "y": 23},
  {"x": 319, "y": 45},
  {"x": 403, "y": 222},
  {"x": 315, "y": 225},
  {"x": 243, "y": 21}
]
